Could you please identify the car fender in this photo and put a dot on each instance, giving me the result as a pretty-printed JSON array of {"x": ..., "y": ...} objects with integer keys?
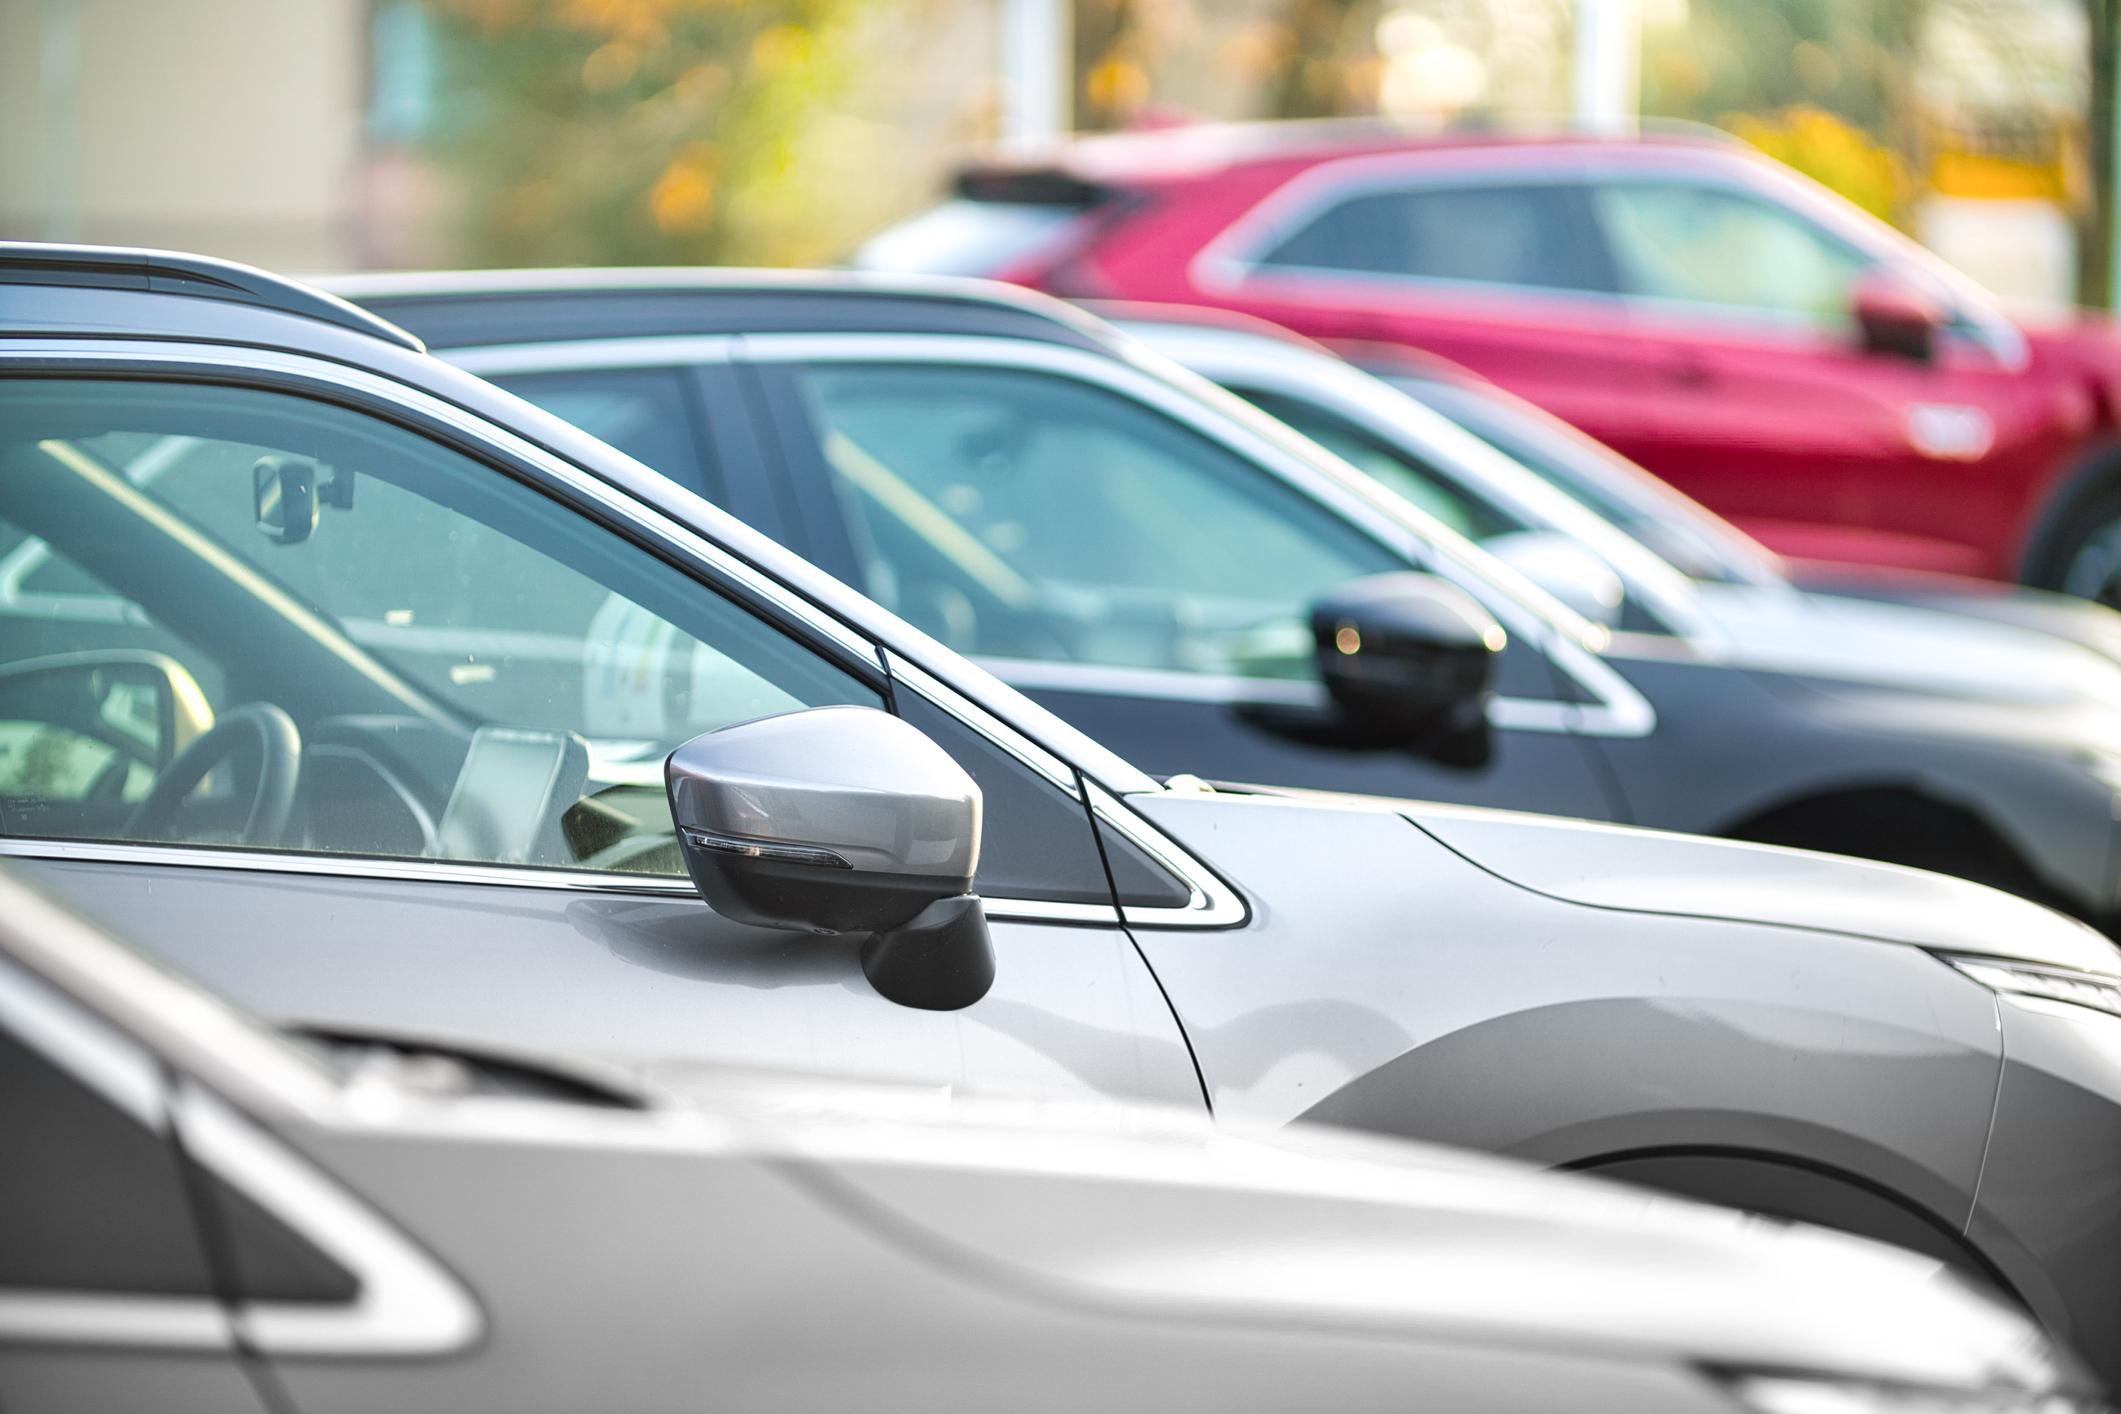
[{"x": 1385, "y": 982}]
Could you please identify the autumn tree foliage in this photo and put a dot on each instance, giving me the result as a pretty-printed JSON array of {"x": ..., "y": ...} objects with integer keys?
[{"x": 634, "y": 131}]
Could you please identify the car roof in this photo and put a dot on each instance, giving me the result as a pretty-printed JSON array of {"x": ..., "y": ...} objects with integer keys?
[
  {"x": 462, "y": 309},
  {"x": 46, "y": 286},
  {"x": 1151, "y": 156}
]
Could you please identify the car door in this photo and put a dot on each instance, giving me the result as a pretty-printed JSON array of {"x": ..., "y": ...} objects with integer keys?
[
  {"x": 1768, "y": 408},
  {"x": 441, "y": 696},
  {"x": 1492, "y": 264},
  {"x": 1062, "y": 519}
]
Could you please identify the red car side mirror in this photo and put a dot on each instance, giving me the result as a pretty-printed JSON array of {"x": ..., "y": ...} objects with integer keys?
[{"x": 1893, "y": 317}]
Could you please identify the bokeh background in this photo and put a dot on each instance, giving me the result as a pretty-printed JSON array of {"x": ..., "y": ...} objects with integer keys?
[{"x": 311, "y": 135}]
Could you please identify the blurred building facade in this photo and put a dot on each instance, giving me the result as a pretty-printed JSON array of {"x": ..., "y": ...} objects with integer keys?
[{"x": 231, "y": 126}]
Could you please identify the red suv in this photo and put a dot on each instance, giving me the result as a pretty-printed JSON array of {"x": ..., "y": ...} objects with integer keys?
[{"x": 1753, "y": 338}]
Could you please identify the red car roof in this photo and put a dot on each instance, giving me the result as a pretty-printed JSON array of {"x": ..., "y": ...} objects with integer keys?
[{"x": 1169, "y": 154}]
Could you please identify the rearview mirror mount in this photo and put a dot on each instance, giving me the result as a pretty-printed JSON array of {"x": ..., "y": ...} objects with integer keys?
[{"x": 283, "y": 493}]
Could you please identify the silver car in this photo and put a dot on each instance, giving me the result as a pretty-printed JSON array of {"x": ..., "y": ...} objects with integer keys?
[
  {"x": 200, "y": 1216},
  {"x": 424, "y": 715}
]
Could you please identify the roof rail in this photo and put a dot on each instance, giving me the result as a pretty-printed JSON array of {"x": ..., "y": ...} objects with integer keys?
[{"x": 171, "y": 273}]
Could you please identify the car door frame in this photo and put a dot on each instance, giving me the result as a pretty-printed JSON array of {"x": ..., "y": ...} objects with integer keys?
[
  {"x": 886, "y": 661},
  {"x": 1611, "y": 706}
]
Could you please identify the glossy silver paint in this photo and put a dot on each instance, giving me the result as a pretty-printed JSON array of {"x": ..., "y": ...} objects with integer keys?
[
  {"x": 791, "y": 1245},
  {"x": 840, "y": 787},
  {"x": 1342, "y": 962}
]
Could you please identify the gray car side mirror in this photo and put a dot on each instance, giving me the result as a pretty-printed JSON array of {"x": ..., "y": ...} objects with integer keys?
[
  {"x": 1408, "y": 660},
  {"x": 841, "y": 820}
]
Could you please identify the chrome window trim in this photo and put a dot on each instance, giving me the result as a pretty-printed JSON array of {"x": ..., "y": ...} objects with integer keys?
[
  {"x": 587, "y": 355},
  {"x": 1196, "y": 912},
  {"x": 405, "y": 1304},
  {"x": 1166, "y": 685},
  {"x": 1211, "y": 903},
  {"x": 1145, "y": 377}
]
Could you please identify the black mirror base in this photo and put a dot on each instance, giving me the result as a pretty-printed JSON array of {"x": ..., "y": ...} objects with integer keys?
[{"x": 939, "y": 960}]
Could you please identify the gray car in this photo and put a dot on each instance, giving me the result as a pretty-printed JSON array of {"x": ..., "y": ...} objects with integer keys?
[
  {"x": 200, "y": 1217},
  {"x": 394, "y": 731}
]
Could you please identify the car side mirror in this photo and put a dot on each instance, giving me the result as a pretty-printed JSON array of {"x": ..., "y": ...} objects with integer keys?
[
  {"x": 1895, "y": 318},
  {"x": 1409, "y": 660},
  {"x": 144, "y": 703},
  {"x": 841, "y": 820},
  {"x": 1564, "y": 568}
]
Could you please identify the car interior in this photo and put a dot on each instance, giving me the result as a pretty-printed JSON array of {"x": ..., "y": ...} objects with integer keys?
[{"x": 240, "y": 619}]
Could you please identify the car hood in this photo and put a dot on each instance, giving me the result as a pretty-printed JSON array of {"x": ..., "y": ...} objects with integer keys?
[
  {"x": 1162, "y": 1213},
  {"x": 1650, "y": 871},
  {"x": 1927, "y": 649}
]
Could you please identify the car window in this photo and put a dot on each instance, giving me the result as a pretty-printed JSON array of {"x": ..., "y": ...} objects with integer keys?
[
  {"x": 1016, "y": 513},
  {"x": 94, "y": 1200},
  {"x": 1469, "y": 515},
  {"x": 641, "y": 411},
  {"x": 1525, "y": 234},
  {"x": 91, "y": 1200},
  {"x": 468, "y": 670},
  {"x": 1714, "y": 246}
]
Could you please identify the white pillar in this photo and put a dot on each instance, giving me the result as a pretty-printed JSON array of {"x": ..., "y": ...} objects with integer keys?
[
  {"x": 1038, "y": 59},
  {"x": 1608, "y": 64}
]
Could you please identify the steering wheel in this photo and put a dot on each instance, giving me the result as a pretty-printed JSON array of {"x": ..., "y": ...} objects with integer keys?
[{"x": 278, "y": 744}]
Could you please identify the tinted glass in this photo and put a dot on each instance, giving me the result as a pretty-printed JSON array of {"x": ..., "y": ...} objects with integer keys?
[
  {"x": 1022, "y": 514},
  {"x": 1707, "y": 245},
  {"x": 1469, "y": 515},
  {"x": 438, "y": 618},
  {"x": 1585, "y": 470},
  {"x": 1499, "y": 235},
  {"x": 641, "y": 411},
  {"x": 90, "y": 1198}
]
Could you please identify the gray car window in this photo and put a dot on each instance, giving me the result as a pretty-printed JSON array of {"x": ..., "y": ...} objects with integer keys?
[
  {"x": 1710, "y": 246},
  {"x": 475, "y": 671},
  {"x": 1471, "y": 516},
  {"x": 1016, "y": 513},
  {"x": 1496, "y": 234},
  {"x": 641, "y": 411}
]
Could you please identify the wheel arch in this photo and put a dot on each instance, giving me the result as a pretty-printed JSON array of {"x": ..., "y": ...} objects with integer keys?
[
  {"x": 1801, "y": 1190},
  {"x": 2094, "y": 471}
]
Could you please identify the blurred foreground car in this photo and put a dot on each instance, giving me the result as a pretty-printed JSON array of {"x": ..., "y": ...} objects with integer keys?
[
  {"x": 1152, "y": 561},
  {"x": 1793, "y": 362},
  {"x": 198, "y": 1216},
  {"x": 421, "y": 714}
]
